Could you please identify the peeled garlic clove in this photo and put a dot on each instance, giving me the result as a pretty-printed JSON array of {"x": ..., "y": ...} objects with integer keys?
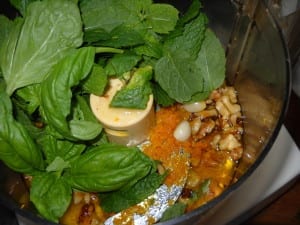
[
  {"x": 183, "y": 131},
  {"x": 195, "y": 106}
]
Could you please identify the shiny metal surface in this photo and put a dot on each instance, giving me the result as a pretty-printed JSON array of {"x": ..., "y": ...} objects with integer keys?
[{"x": 159, "y": 202}]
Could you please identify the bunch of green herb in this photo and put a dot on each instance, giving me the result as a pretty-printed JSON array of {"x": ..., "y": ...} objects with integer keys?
[{"x": 57, "y": 53}]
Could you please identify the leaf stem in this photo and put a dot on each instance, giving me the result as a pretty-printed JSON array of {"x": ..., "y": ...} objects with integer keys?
[{"x": 108, "y": 50}]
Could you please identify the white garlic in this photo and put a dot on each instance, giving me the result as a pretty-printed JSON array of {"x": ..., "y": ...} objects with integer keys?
[
  {"x": 195, "y": 106},
  {"x": 183, "y": 131}
]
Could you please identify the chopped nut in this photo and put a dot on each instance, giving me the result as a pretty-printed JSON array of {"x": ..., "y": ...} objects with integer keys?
[
  {"x": 229, "y": 143},
  {"x": 231, "y": 93},
  {"x": 195, "y": 125},
  {"x": 233, "y": 108},
  {"x": 222, "y": 109},
  {"x": 207, "y": 113}
]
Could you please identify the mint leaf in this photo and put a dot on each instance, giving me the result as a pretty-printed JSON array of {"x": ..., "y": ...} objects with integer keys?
[
  {"x": 161, "y": 97},
  {"x": 203, "y": 189},
  {"x": 136, "y": 93},
  {"x": 96, "y": 82},
  {"x": 189, "y": 43},
  {"x": 211, "y": 64},
  {"x": 162, "y": 18},
  {"x": 179, "y": 77},
  {"x": 102, "y": 17},
  {"x": 152, "y": 46},
  {"x": 124, "y": 36},
  {"x": 191, "y": 13},
  {"x": 193, "y": 63},
  {"x": 173, "y": 211},
  {"x": 121, "y": 63}
]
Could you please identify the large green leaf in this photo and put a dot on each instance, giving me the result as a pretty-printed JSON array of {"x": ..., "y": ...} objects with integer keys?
[
  {"x": 21, "y": 5},
  {"x": 121, "y": 199},
  {"x": 51, "y": 195},
  {"x": 17, "y": 148},
  {"x": 188, "y": 44},
  {"x": 56, "y": 96},
  {"x": 211, "y": 64},
  {"x": 109, "y": 14},
  {"x": 108, "y": 167},
  {"x": 49, "y": 30},
  {"x": 136, "y": 93},
  {"x": 124, "y": 36},
  {"x": 180, "y": 82},
  {"x": 193, "y": 63},
  {"x": 122, "y": 63},
  {"x": 5, "y": 27},
  {"x": 96, "y": 82},
  {"x": 53, "y": 147},
  {"x": 28, "y": 98},
  {"x": 162, "y": 18}
]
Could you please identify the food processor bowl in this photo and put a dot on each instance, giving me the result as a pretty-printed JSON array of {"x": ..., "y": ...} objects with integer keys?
[{"x": 258, "y": 66}]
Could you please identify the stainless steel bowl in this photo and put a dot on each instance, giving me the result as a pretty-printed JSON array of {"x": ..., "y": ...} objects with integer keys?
[{"x": 258, "y": 66}]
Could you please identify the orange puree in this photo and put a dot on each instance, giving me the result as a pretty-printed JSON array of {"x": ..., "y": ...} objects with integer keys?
[{"x": 205, "y": 162}]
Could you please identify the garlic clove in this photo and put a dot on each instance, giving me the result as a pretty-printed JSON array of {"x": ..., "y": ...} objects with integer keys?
[
  {"x": 195, "y": 106},
  {"x": 183, "y": 131}
]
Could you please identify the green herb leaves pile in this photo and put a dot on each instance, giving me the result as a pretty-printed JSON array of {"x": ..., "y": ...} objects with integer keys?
[
  {"x": 57, "y": 53},
  {"x": 188, "y": 60}
]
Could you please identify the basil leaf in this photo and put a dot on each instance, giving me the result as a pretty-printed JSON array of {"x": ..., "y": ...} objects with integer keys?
[
  {"x": 21, "y": 5},
  {"x": 53, "y": 147},
  {"x": 56, "y": 95},
  {"x": 50, "y": 29},
  {"x": 57, "y": 165},
  {"x": 28, "y": 98},
  {"x": 84, "y": 130},
  {"x": 82, "y": 110},
  {"x": 35, "y": 128},
  {"x": 5, "y": 27},
  {"x": 108, "y": 167},
  {"x": 84, "y": 124},
  {"x": 8, "y": 48},
  {"x": 51, "y": 195},
  {"x": 17, "y": 149},
  {"x": 124, "y": 198}
]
